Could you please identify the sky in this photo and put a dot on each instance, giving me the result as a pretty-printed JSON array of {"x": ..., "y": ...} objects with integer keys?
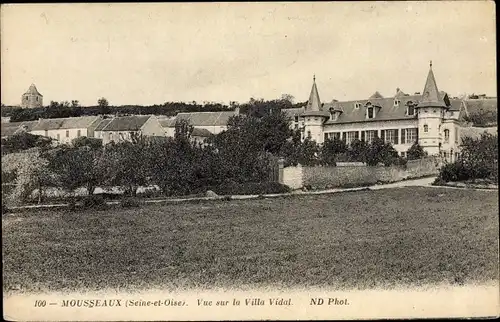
[{"x": 153, "y": 53}]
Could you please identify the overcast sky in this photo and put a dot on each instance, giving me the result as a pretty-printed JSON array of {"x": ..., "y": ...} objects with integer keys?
[{"x": 153, "y": 53}]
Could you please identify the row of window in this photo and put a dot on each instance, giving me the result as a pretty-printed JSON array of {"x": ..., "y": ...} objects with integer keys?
[
  {"x": 27, "y": 98},
  {"x": 393, "y": 136},
  {"x": 58, "y": 135}
]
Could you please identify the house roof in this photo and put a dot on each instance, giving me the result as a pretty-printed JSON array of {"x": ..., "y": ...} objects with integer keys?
[
  {"x": 481, "y": 105},
  {"x": 65, "y": 123},
  {"x": 9, "y": 129},
  {"x": 168, "y": 122},
  {"x": 32, "y": 91},
  {"x": 292, "y": 112},
  {"x": 102, "y": 124},
  {"x": 126, "y": 123},
  {"x": 206, "y": 118},
  {"x": 201, "y": 132},
  {"x": 431, "y": 96},
  {"x": 475, "y": 132}
]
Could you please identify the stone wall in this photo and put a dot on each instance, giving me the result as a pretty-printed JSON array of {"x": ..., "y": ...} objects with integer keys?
[{"x": 355, "y": 175}]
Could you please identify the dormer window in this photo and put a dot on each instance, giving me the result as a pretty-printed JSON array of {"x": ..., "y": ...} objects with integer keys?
[
  {"x": 370, "y": 112},
  {"x": 410, "y": 109},
  {"x": 296, "y": 118},
  {"x": 397, "y": 102},
  {"x": 357, "y": 105}
]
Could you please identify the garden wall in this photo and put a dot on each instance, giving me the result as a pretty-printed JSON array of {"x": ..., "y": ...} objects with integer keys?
[{"x": 354, "y": 175}]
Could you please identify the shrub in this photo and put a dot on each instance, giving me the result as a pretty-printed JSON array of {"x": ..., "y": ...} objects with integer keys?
[
  {"x": 454, "y": 172},
  {"x": 94, "y": 202},
  {"x": 250, "y": 188},
  {"x": 131, "y": 202}
]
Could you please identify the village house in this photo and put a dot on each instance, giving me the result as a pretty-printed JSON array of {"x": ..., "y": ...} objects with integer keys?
[
  {"x": 120, "y": 129},
  {"x": 32, "y": 98},
  {"x": 65, "y": 130},
  {"x": 432, "y": 119},
  {"x": 214, "y": 122}
]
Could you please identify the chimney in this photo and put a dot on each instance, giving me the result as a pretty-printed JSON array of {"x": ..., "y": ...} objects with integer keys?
[{"x": 397, "y": 90}]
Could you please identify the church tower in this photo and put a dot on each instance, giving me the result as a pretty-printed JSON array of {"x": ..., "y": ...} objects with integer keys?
[
  {"x": 32, "y": 98},
  {"x": 314, "y": 116},
  {"x": 430, "y": 116}
]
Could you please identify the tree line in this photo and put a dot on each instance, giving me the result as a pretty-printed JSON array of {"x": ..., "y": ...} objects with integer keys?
[{"x": 254, "y": 107}]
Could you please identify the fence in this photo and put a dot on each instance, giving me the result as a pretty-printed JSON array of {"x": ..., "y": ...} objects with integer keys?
[{"x": 355, "y": 175}]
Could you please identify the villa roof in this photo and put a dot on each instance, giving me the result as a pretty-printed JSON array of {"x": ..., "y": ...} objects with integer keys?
[
  {"x": 126, "y": 123},
  {"x": 376, "y": 95},
  {"x": 65, "y": 123}
]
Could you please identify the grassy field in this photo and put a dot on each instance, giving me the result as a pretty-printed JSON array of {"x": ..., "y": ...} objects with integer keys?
[{"x": 386, "y": 238}]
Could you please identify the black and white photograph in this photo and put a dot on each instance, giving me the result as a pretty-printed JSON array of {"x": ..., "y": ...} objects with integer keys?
[{"x": 249, "y": 161}]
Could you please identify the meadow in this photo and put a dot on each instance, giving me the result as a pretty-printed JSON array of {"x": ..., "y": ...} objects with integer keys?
[{"x": 387, "y": 238}]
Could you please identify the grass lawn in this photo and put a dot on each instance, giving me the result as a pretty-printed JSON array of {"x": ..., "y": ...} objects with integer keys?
[{"x": 386, "y": 238}]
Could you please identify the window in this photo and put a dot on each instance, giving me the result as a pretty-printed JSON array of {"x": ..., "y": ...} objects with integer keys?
[
  {"x": 403, "y": 154},
  {"x": 36, "y": 98},
  {"x": 78, "y": 133},
  {"x": 426, "y": 128},
  {"x": 390, "y": 136},
  {"x": 296, "y": 118},
  {"x": 446, "y": 135},
  {"x": 445, "y": 154},
  {"x": 46, "y": 133},
  {"x": 370, "y": 136},
  {"x": 357, "y": 105},
  {"x": 309, "y": 134},
  {"x": 409, "y": 136},
  {"x": 410, "y": 110},
  {"x": 456, "y": 135},
  {"x": 333, "y": 135},
  {"x": 351, "y": 136},
  {"x": 396, "y": 102},
  {"x": 67, "y": 133},
  {"x": 296, "y": 126},
  {"x": 369, "y": 113},
  {"x": 58, "y": 137}
]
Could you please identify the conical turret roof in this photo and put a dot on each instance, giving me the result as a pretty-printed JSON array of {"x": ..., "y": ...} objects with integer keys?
[
  {"x": 313, "y": 106},
  {"x": 430, "y": 95}
]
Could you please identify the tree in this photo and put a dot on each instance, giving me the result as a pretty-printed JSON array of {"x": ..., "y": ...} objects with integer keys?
[
  {"x": 77, "y": 167},
  {"x": 308, "y": 152},
  {"x": 126, "y": 164},
  {"x": 24, "y": 141},
  {"x": 331, "y": 149},
  {"x": 415, "y": 152},
  {"x": 380, "y": 152},
  {"x": 288, "y": 98},
  {"x": 103, "y": 106},
  {"x": 82, "y": 141},
  {"x": 30, "y": 171},
  {"x": 75, "y": 103},
  {"x": 358, "y": 150}
]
